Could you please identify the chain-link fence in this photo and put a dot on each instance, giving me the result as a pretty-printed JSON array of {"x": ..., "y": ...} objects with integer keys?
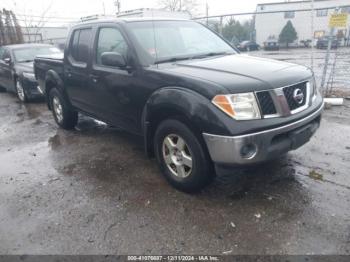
[{"x": 296, "y": 32}]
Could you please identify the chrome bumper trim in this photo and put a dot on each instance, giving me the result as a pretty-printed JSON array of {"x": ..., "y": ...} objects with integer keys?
[{"x": 226, "y": 149}]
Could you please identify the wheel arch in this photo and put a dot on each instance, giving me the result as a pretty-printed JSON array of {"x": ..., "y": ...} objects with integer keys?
[
  {"x": 182, "y": 104},
  {"x": 53, "y": 80}
]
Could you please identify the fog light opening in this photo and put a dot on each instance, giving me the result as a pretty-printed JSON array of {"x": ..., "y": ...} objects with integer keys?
[{"x": 249, "y": 151}]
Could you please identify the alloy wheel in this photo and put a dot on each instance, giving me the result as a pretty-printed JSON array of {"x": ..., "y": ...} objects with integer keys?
[
  {"x": 177, "y": 156},
  {"x": 20, "y": 91},
  {"x": 57, "y": 107}
]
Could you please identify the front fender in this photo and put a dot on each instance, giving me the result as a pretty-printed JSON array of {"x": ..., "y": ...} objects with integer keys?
[{"x": 172, "y": 101}]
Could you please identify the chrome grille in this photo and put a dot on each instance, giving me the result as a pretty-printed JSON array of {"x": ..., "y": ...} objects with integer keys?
[
  {"x": 283, "y": 101},
  {"x": 266, "y": 104},
  {"x": 289, "y": 94}
]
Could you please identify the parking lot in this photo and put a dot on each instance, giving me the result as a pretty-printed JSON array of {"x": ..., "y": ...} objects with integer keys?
[{"x": 93, "y": 191}]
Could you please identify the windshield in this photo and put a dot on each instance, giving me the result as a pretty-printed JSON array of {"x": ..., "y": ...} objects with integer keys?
[
  {"x": 29, "y": 53},
  {"x": 162, "y": 41}
]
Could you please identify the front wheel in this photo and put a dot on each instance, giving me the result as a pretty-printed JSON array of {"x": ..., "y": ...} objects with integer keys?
[
  {"x": 64, "y": 115},
  {"x": 182, "y": 157},
  {"x": 21, "y": 94}
]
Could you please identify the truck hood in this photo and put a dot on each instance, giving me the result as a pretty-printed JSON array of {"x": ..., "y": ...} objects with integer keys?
[{"x": 243, "y": 73}]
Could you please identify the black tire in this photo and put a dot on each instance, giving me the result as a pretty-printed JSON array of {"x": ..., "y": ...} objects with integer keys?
[
  {"x": 68, "y": 117},
  {"x": 21, "y": 92},
  {"x": 202, "y": 172}
]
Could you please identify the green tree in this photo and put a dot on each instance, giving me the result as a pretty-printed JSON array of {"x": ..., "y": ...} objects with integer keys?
[
  {"x": 235, "y": 31},
  {"x": 288, "y": 34}
]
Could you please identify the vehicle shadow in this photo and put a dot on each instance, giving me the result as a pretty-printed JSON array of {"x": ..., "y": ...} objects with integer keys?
[
  {"x": 109, "y": 168},
  {"x": 109, "y": 155}
]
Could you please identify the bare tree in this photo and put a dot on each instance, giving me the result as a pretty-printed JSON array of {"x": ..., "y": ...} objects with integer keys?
[
  {"x": 17, "y": 27},
  {"x": 33, "y": 24},
  {"x": 189, "y": 6},
  {"x": 2, "y": 30},
  {"x": 10, "y": 31}
]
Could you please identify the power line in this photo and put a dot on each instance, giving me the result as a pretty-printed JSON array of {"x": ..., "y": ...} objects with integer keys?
[
  {"x": 48, "y": 21},
  {"x": 54, "y": 18},
  {"x": 50, "y": 17}
]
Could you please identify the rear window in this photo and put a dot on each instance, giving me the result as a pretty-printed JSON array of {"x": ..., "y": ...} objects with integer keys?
[{"x": 80, "y": 45}]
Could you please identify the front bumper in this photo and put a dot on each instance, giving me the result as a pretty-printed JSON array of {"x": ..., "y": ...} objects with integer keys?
[
  {"x": 31, "y": 88},
  {"x": 261, "y": 146}
]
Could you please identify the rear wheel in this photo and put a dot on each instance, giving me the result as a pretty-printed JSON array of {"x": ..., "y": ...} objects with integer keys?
[
  {"x": 64, "y": 115},
  {"x": 182, "y": 157},
  {"x": 21, "y": 94}
]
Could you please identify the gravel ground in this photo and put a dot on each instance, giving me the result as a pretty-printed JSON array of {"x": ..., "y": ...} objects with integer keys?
[{"x": 93, "y": 191}]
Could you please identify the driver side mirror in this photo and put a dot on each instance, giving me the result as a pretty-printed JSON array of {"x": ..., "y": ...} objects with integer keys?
[
  {"x": 113, "y": 59},
  {"x": 7, "y": 60}
]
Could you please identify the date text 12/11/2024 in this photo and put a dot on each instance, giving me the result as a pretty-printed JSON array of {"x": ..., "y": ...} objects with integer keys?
[{"x": 173, "y": 258}]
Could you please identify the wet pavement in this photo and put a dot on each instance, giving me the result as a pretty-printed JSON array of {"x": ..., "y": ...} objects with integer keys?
[{"x": 93, "y": 191}]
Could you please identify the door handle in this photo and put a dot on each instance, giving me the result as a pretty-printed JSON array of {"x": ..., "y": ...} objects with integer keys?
[{"x": 94, "y": 78}]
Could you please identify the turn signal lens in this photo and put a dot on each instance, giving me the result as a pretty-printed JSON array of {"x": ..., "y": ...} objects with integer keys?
[
  {"x": 238, "y": 106},
  {"x": 224, "y": 104}
]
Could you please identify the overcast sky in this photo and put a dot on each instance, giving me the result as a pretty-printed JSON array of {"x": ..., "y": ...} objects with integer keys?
[{"x": 65, "y": 10}]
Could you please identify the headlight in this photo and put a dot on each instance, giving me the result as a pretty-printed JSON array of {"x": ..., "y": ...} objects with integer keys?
[
  {"x": 29, "y": 76},
  {"x": 239, "y": 106}
]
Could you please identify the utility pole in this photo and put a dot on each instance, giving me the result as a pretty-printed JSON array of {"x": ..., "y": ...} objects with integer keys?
[
  {"x": 104, "y": 9},
  {"x": 312, "y": 34},
  {"x": 207, "y": 12},
  {"x": 330, "y": 41},
  {"x": 117, "y": 4}
]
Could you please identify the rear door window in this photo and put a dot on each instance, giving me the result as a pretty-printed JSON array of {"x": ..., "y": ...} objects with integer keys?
[{"x": 80, "y": 45}]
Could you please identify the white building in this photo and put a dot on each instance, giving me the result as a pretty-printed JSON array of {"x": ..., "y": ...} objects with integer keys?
[{"x": 270, "y": 23}]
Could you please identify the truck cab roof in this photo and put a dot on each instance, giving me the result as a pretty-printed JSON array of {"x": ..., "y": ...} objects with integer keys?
[{"x": 127, "y": 20}]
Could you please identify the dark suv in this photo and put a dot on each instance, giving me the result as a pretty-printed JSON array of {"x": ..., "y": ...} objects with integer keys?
[{"x": 189, "y": 93}]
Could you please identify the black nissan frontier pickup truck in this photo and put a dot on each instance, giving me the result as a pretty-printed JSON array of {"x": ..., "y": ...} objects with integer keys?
[{"x": 195, "y": 100}]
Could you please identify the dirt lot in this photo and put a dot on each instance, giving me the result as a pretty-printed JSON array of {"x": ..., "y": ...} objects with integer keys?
[{"x": 92, "y": 191}]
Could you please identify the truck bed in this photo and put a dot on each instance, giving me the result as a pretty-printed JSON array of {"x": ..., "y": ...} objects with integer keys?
[{"x": 43, "y": 64}]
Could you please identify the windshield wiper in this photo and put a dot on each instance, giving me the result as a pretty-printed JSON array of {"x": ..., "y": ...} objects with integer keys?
[
  {"x": 172, "y": 59},
  {"x": 211, "y": 54},
  {"x": 175, "y": 59}
]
